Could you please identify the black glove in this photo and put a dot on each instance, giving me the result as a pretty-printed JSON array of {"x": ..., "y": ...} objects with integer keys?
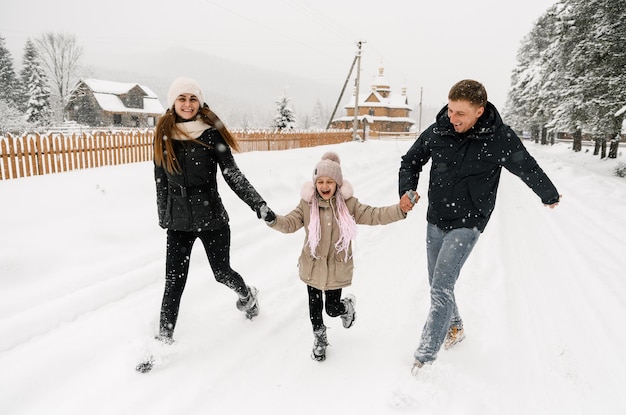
[{"x": 264, "y": 212}]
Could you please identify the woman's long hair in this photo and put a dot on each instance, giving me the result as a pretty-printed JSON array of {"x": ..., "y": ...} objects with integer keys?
[{"x": 166, "y": 127}]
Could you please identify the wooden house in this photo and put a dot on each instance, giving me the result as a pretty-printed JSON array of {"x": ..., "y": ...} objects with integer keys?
[
  {"x": 379, "y": 109},
  {"x": 98, "y": 103},
  {"x": 621, "y": 116}
]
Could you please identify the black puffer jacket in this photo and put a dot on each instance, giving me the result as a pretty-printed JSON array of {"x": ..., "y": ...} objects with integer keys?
[
  {"x": 466, "y": 168},
  {"x": 190, "y": 201}
]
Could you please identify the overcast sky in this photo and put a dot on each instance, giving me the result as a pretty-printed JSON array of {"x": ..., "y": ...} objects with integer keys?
[{"x": 428, "y": 45}]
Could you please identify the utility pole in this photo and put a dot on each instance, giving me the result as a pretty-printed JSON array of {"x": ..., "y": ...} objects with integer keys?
[
  {"x": 342, "y": 91},
  {"x": 355, "y": 122},
  {"x": 419, "y": 125}
]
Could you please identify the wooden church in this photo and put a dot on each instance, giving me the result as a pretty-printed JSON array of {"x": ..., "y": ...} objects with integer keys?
[{"x": 379, "y": 109}]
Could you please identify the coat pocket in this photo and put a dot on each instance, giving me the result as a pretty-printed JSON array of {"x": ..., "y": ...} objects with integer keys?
[
  {"x": 343, "y": 272},
  {"x": 305, "y": 266}
]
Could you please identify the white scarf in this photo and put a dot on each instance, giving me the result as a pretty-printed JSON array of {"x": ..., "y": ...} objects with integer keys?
[{"x": 193, "y": 129}]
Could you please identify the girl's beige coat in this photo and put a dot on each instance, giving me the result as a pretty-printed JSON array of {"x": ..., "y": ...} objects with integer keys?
[{"x": 329, "y": 269}]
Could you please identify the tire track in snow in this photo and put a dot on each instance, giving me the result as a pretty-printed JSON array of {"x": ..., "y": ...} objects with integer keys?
[
  {"x": 48, "y": 315},
  {"x": 549, "y": 315}
]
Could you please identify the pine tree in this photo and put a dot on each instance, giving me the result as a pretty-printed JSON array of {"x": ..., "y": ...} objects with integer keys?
[
  {"x": 35, "y": 87},
  {"x": 523, "y": 109},
  {"x": 30, "y": 54},
  {"x": 317, "y": 117},
  {"x": 571, "y": 69},
  {"x": 11, "y": 119},
  {"x": 285, "y": 118},
  {"x": 8, "y": 81},
  {"x": 601, "y": 79}
]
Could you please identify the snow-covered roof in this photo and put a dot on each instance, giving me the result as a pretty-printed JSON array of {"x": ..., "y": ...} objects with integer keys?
[
  {"x": 107, "y": 94},
  {"x": 380, "y": 84},
  {"x": 380, "y": 96},
  {"x": 393, "y": 100},
  {"x": 372, "y": 118},
  {"x": 113, "y": 103},
  {"x": 117, "y": 88},
  {"x": 380, "y": 81}
]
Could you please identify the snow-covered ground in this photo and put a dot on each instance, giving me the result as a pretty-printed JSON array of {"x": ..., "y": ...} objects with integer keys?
[{"x": 542, "y": 297}]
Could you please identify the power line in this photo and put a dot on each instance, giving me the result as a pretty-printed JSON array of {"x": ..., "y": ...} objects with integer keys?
[
  {"x": 325, "y": 23},
  {"x": 271, "y": 29},
  {"x": 321, "y": 18}
]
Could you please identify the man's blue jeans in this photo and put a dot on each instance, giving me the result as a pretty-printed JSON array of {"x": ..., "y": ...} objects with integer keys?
[{"x": 447, "y": 251}]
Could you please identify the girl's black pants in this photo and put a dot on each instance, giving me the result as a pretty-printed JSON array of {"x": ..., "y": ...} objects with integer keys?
[{"x": 334, "y": 306}]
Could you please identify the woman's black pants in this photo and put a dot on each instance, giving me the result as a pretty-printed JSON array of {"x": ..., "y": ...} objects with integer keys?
[{"x": 179, "y": 243}]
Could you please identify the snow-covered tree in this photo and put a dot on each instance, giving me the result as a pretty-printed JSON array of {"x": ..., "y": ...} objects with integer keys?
[
  {"x": 11, "y": 119},
  {"x": 60, "y": 54},
  {"x": 8, "y": 81},
  {"x": 570, "y": 70},
  {"x": 285, "y": 118},
  {"x": 536, "y": 82},
  {"x": 601, "y": 77},
  {"x": 318, "y": 119},
  {"x": 35, "y": 90},
  {"x": 28, "y": 61}
]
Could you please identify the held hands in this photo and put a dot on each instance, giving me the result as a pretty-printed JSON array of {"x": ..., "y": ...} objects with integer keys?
[
  {"x": 408, "y": 200},
  {"x": 264, "y": 212},
  {"x": 553, "y": 205}
]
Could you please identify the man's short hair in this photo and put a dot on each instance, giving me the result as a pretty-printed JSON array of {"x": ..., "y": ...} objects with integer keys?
[{"x": 469, "y": 90}]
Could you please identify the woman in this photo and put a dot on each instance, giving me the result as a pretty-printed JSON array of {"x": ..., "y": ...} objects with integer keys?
[{"x": 190, "y": 144}]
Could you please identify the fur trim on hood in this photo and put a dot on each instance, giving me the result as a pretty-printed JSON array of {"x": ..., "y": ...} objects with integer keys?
[{"x": 308, "y": 190}]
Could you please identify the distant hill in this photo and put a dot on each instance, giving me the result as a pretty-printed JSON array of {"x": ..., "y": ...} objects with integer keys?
[
  {"x": 242, "y": 95},
  {"x": 235, "y": 91}
]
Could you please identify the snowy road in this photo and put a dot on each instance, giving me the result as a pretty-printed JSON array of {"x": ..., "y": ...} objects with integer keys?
[{"x": 81, "y": 266}]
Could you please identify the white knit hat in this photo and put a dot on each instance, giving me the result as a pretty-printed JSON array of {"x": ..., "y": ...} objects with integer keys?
[
  {"x": 183, "y": 85},
  {"x": 329, "y": 166}
]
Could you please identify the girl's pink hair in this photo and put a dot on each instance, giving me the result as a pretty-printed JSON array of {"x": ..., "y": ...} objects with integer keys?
[{"x": 347, "y": 224}]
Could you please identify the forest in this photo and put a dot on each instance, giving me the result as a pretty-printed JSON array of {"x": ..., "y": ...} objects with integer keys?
[
  {"x": 569, "y": 81},
  {"x": 570, "y": 78}
]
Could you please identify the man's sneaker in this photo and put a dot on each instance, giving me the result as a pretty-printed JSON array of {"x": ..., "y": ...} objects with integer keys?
[
  {"x": 249, "y": 304},
  {"x": 455, "y": 335},
  {"x": 350, "y": 315},
  {"x": 319, "y": 344},
  {"x": 417, "y": 365}
]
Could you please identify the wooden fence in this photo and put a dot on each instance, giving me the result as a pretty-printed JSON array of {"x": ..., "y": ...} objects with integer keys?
[
  {"x": 38, "y": 154},
  {"x": 272, "y": 140}
]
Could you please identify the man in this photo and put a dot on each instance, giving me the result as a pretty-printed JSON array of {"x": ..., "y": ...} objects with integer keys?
[{"x": 468, "y": 145}]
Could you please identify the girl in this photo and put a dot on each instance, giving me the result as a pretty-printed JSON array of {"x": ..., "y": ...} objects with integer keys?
[{"x": 329, "y": 214}]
